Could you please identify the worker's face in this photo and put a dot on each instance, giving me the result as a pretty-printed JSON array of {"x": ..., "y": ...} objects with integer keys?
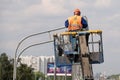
[{"x": 76, "y": 13}]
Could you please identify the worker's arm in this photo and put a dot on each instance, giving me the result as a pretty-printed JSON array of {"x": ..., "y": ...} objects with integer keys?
[
  {"x": 66, "y": 23},
  {"x": 84, "y": 23}
]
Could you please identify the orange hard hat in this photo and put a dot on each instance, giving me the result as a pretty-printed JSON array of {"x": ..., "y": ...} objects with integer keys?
[{"x": 76, "y": 10}]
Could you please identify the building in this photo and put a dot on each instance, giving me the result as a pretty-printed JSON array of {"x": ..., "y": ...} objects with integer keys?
[{"x": 38, "y": 63}]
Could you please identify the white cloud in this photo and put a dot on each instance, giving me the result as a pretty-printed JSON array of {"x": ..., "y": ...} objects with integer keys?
[
  {"x": 102, "y": 3},
  {"x": 79, "y": 4},
  {"x": 20, "y": 8},
  {"x": 46, "y": 7},
  {"x": 115, "y": 17},
  {"x": 10, "y": 27}
]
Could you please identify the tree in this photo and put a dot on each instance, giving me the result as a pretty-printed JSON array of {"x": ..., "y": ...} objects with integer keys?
[
  {"x": 114, "y": 76},
  {"x": 39, "y": 75},
  {"x": 6, "y": 68},
  {"x": 24, "y": 72}
]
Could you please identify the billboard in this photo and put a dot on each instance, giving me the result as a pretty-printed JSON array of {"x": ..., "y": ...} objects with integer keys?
[{"x": 60, "y": 71}]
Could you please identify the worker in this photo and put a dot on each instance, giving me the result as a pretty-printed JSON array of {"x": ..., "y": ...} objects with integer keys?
[{"x": 76, "y": 22}]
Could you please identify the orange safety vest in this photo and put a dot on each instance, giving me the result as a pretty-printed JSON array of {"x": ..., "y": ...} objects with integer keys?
[{"x": 74, "y": 23}]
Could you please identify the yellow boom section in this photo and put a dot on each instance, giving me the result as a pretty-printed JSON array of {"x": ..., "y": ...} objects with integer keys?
[
  {"x": 68, "y": 33},
  {"x": 94, "y": 31},
  {"x": 74, "y": 33}
]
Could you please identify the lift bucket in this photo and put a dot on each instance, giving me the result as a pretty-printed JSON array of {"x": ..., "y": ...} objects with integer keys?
[{"x": 95, "y": 45}]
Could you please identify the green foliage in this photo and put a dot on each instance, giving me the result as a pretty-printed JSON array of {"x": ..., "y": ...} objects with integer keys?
[
  {"x": 6, "y": 70},
  {"x": 115, "y": 77},
  {"x": 40, "y": 75},
  {"x": 24, "y": 72}
]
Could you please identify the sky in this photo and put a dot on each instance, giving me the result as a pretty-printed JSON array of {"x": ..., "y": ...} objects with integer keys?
[{"x": 21, "y": 18}]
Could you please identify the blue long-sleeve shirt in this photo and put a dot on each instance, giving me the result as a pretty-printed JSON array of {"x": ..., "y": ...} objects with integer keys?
[{"x": 83, "y": 21}]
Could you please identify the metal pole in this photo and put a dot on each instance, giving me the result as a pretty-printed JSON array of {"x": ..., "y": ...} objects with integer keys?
[
  {"x": 35, "y": 75},
  {"x": 54, "y": 72},
  {"x": 14, "y": 69},
  {"x": 92, "y": 43},
  {"x": 44, "y": 67},
  {"x": 65, "y": 72},
  {"x": 55, "y": 57}
]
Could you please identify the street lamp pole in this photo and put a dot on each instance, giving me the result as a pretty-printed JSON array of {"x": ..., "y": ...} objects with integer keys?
[
  {"x": 14, "y": 68},
  {"x": 15, "y": 55}
]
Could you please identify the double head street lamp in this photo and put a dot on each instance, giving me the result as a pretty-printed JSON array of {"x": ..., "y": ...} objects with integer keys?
[{"x": 16, "y": 51}]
